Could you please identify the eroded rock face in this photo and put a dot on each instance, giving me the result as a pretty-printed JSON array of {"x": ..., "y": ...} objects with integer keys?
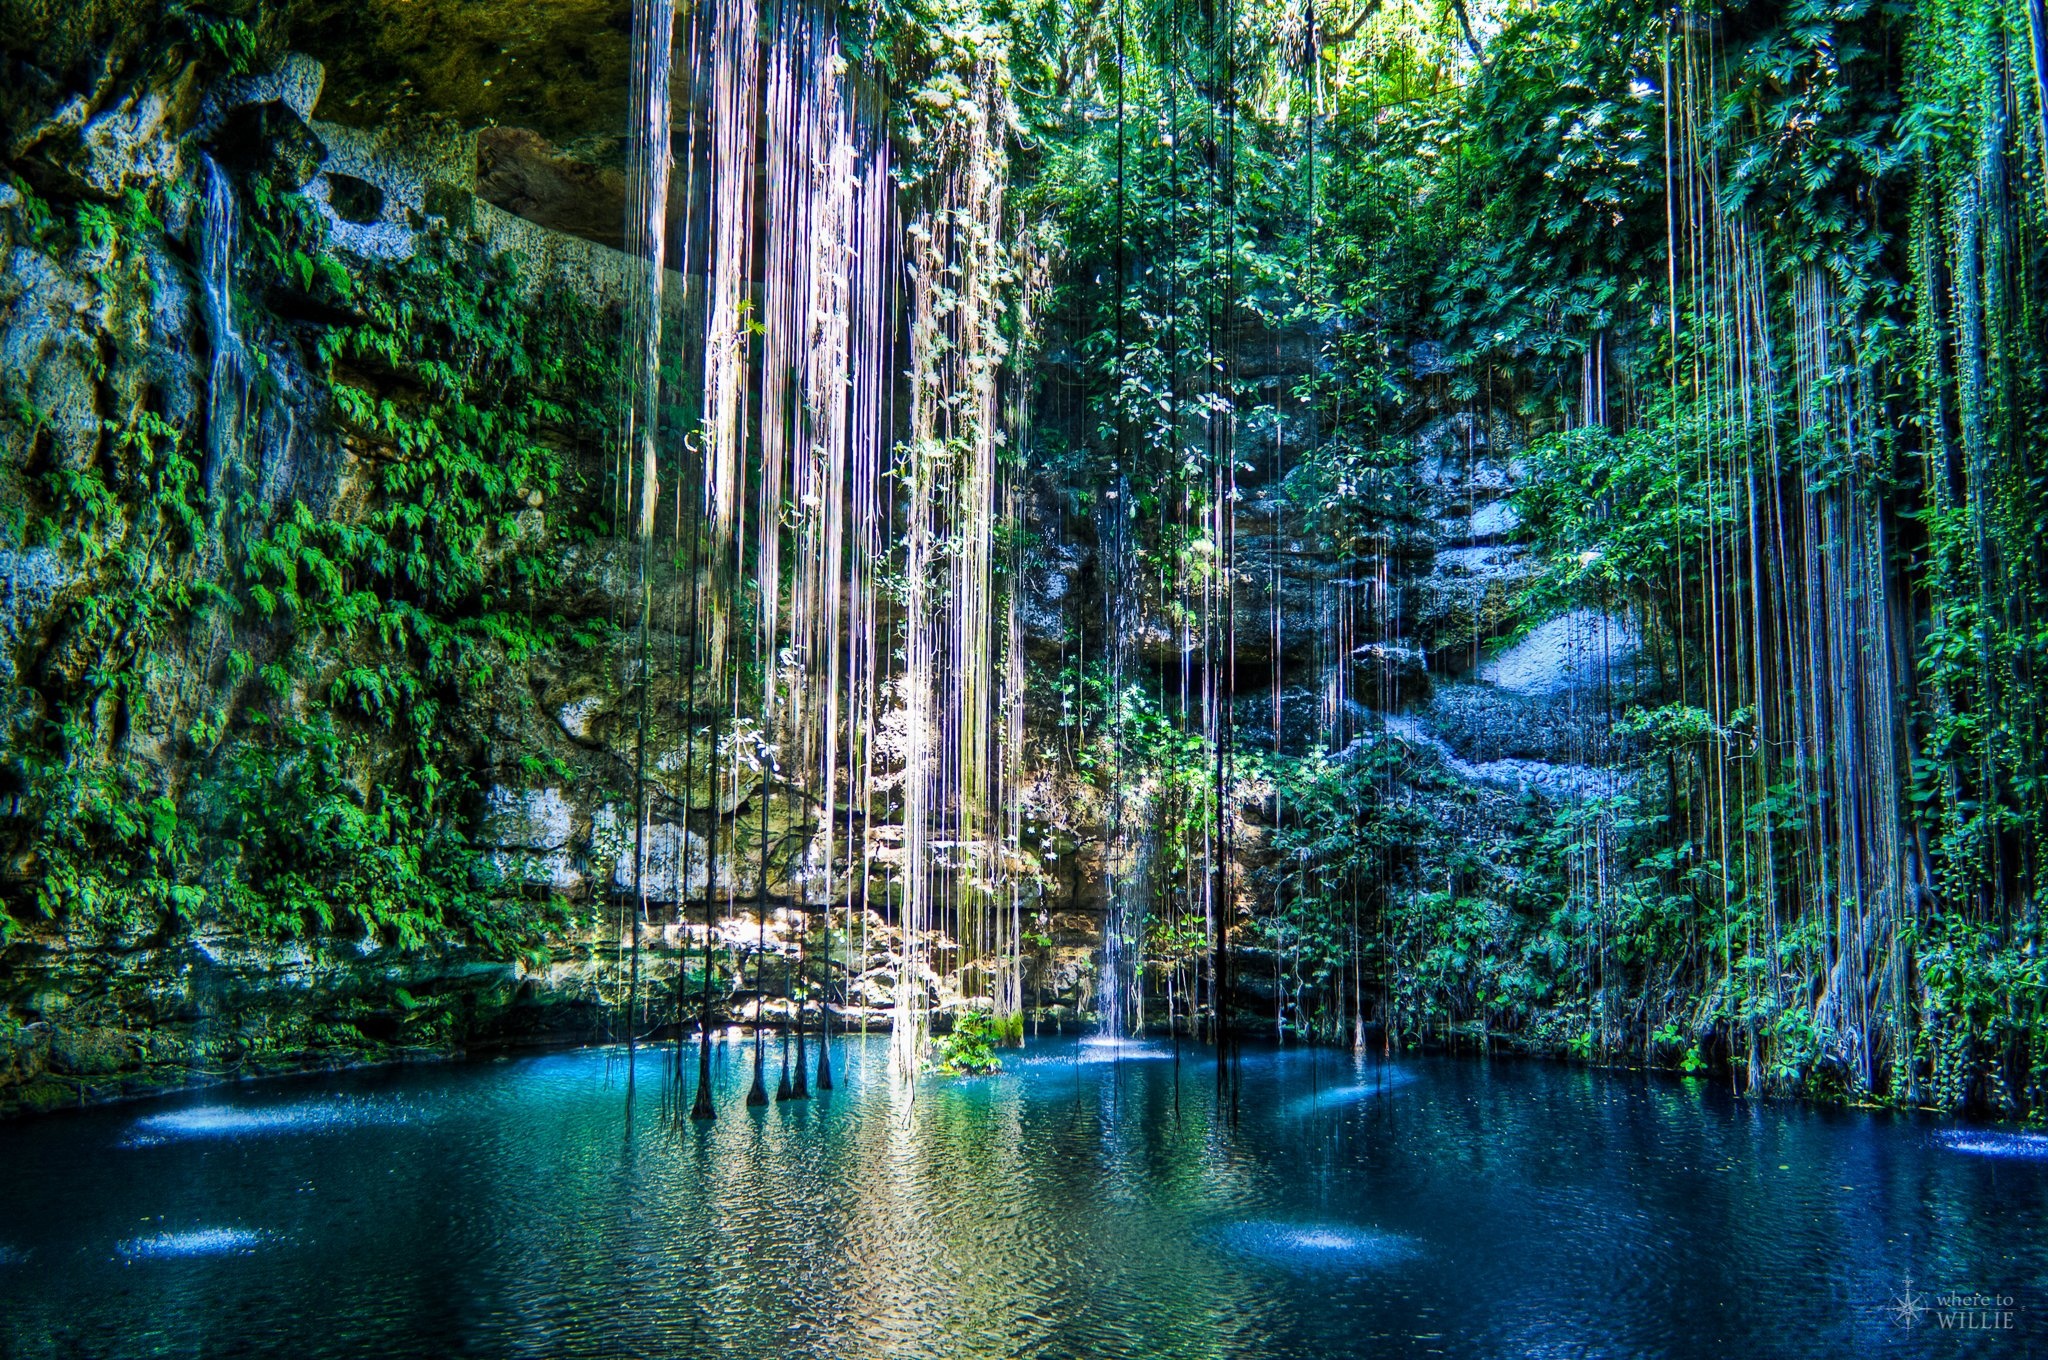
[
  {"x": 1389, "y": 676},
  {"x": 29, "y": 585},
  {"x": 1539, "y": 711},
  {"x": 1580, "y": 653},
  {"x": 128, "y": 146},
  {"x": 528, "y": 176},
  {"x": 529, "y": 819},
  {"x": 559, "y": 67},
  {"x": 90, "y": 1019},
  {"x": 295, "y": 82},
  {"x": 50, "y": 322},
  {"x": 374, "y": 195},
  {"x": 529, "y": 836}
]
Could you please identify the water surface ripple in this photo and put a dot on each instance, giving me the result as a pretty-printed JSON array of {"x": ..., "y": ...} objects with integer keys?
[{"x": 1087, "y": 1203}]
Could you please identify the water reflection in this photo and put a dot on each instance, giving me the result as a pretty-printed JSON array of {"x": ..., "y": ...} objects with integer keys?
[
  {"x": 1102, "y": 1049},
  {"x": 1075, "y": 1205}
]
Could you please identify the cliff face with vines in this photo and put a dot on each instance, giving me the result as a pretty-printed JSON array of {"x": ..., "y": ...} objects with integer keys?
[
  {"x": 292, "y": 478},
  {"x": 1730, "y": 318},
  {"x": 334, "y": 686},
  {"x": 1394, "y": 524}
]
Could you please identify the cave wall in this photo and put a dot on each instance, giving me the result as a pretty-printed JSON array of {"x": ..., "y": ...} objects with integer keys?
[
  {"x": 381, "y": 121},
  {"x": 386, "y": 119}
]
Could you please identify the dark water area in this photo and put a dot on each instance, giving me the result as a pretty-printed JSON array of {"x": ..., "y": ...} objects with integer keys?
[{"x": 1085, "y": 1203}]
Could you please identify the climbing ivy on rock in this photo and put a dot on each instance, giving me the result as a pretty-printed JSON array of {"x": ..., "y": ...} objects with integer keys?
[{"x": 267, "y": 711}]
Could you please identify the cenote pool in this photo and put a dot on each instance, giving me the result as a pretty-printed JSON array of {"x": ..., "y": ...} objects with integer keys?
[{"x": 1086, "y": 1203}]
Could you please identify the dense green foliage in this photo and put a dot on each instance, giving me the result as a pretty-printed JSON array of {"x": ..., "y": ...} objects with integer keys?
[
  {"x": 1750, "y": 296},
  {"x": 969, "y": 1049},
  {"x": 1757, "y": 289},
  {"x": 272, "y": 718}
]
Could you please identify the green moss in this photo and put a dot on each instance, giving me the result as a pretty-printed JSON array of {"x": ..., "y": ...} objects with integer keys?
[
  {"x": 343, "y": 651},
  {"x": 90, "y": 1052},
  {"x": 45, "y": 1094}
]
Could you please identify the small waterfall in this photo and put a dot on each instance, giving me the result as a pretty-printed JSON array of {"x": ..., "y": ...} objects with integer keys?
[
  {"x": 1130, "y": 908},
  {"x": 1132, "y": 833},
  {"x": 227, "y": 377}
]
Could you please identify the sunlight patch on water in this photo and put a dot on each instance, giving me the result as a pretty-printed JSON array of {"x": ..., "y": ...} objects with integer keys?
[
  {"x": 196, "y": 1242},
  {"x": 1340, "y": 1097},
  {"x": 230, "y": 1121},
  {"x": 1317, "y": 1245},
  {"x": 1986, "y": 1144},
  {"x": 1103, "y": 1048}
]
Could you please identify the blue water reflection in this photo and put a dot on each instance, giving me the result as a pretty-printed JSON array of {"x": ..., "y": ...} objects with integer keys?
[{"x": 1088, "y": 1202}]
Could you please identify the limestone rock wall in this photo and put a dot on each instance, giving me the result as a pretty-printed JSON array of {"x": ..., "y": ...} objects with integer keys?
[
  {"x": 97, "y": 1018},
  {"x": 90, "y": 337}
]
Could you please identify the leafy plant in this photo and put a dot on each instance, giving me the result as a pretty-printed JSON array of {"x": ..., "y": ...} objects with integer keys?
[{"x": 970, "y": 1048}]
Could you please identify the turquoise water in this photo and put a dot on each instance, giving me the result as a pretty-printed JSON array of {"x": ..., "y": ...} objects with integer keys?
[{"x": 1086, "y": 1203}]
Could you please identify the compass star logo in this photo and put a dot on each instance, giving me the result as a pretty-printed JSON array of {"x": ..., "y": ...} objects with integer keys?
[{"x": 1908, "y": 1308}]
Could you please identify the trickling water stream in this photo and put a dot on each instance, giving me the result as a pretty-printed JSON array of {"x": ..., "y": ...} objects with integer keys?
[
  {"x": 1085, "y": 1203},
  {"x": 226, "y": 376}
]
